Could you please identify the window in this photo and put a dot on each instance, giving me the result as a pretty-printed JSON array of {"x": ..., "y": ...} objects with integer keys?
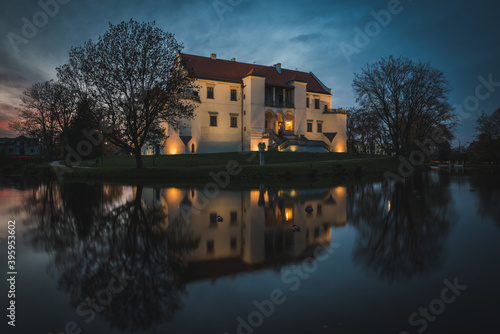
[
  {"x": 309, "y": 127},
  {"x": 213, "y": 120},
  {"x": 233, "y": 243},
  {"x": 234, "y": 121},
  {"x": 319, "y": 209},
  {"x": 233, "y": 217},
  {"x": 316, "y": 103},
  {"x": 213, "y": 218},
  {"x": 307, "y": 102},
  {"x": 210, "y": 92},
  {"x": 233, "y": 95},
  {"x": 210, "y": 246},
  {"x": 320, "y": 127}
]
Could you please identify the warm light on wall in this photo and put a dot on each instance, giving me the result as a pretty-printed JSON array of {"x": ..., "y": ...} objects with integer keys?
[
  {"x": 340, "y": 191},
  {"x": 339, "y": 148},
  {"x": 173, "y": 150}
]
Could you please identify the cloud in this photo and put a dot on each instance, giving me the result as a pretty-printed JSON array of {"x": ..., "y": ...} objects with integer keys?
[{"x": 307, "y": 38}]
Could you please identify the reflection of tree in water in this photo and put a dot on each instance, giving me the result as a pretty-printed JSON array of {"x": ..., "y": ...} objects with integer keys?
[
  {"x": 487, "y": 185},
  {"x": 401, "y": 232},
  {"x": 90, "y": 233}
]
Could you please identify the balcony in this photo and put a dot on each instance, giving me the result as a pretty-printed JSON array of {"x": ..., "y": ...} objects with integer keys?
[
  {"x": 191, "y": 94},
  {"x": 335, "y": 111},
  {"x": 278, "y": 104}
]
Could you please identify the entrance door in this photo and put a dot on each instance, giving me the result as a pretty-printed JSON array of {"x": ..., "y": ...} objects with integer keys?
[{"x": 280, "y": 128}]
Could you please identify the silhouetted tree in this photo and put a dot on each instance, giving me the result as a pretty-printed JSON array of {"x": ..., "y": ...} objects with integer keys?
[
  {"x": 363, "y": 132},
  {"x": 89, "y": 232},
  {"x": 487, "y": 146},
  {"x": 410, "y": 99},
  {"x": 401, "y": 232},
  {"x": 46, "y": 114},
  {"x": 134, "y": 74}
]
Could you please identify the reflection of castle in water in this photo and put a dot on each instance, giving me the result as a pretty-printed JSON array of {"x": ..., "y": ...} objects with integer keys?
[{"x": 256, "y": 230}]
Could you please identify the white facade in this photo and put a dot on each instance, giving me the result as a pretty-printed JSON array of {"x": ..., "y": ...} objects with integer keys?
[{"x": 263, "y": 107}]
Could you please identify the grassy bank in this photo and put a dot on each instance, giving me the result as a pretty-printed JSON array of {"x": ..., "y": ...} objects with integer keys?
[{"x": 244, "y": 167}]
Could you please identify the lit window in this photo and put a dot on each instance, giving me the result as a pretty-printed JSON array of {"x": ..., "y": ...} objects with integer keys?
[
  {"x": 316, "y": 103},
  {"x": 320, "y": 127},
  {"x": 213, "y": 120},
  {"x": 234, "y": 122},
  {"x": 309, "y": 127},
  {"x": 233, "y": 94},
  {"x": 210, "y": 92}
]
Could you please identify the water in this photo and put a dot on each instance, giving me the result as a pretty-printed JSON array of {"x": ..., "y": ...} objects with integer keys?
[{"x": 93, "y": 258}]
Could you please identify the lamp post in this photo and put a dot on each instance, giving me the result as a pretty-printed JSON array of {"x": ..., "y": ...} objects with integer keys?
[{"x": 102, "y": 154}]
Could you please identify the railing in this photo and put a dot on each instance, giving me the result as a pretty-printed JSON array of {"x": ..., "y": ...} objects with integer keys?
[
  {"x": 335, "y": 111},
  {"x": 191, "y": 97},
  {"x": 276, "y": 104},
  {"x": 312, "y": 143}
]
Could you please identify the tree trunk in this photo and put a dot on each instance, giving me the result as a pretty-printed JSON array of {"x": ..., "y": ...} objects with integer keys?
[{"x": 138, "y": 158}]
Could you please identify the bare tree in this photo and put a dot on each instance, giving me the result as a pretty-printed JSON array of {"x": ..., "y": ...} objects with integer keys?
[
  {"x": 363, "y": 131},
  {"x": 134, "y": 74},
  {"x": 46, "y": 114},
  {"x": 486, "y": 147},
  {"x": 409, "y": 98}
]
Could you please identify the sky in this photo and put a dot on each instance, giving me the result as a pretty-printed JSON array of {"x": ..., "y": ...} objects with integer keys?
[{"x": 332, "y": 39}]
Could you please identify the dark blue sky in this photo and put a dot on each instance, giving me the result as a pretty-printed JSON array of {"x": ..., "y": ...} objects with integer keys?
[{"x": 461, "y": 38}]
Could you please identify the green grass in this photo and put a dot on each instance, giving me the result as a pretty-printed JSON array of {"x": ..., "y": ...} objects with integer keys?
[
  {"x": 221, "y": 159},
  {"x": 279, "y": 166}
]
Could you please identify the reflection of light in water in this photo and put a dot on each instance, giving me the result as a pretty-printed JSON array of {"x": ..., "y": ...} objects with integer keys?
[
  {"x": 388, "y": 206},
  {"x": 340, "y": 191},
  {"x": 288, "y": 214},
  {"x": 174, "y": 194}
]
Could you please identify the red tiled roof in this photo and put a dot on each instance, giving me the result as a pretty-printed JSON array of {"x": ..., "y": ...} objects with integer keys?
[{"x": 232, "y": 71}]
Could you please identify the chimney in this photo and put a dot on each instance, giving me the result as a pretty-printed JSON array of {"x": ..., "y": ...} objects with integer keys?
[
  {"x": 233, "y": 59},
  {"x": 213, "y": 56},
  {"x": 278, "y": 67}
]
